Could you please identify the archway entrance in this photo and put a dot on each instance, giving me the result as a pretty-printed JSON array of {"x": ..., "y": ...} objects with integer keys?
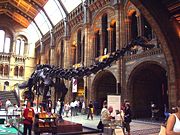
[
  {"x": 148, "y": 84},
  {"x": 104, "y": 84}
]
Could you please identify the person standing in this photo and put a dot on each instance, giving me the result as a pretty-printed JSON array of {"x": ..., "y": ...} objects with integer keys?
[
  {"x": 8, "y": 104},
  {"x": 83, "y": 110},
  {"x": 90, "y": 110},
  {"x": 25, "y": 101},
  {"x": 173, "y": 123},
  {"x": 127, "y": 117},
  {"x": 72, "y": 105},
  {"x": 66, "y": 109},
  {"x": 58, "y": 106},
  {"x": 49, "y": 105},
  {"x": 105, "y": 116},
  {"x": 28, "y": 115},
  {"x": 1, "y": 104}
]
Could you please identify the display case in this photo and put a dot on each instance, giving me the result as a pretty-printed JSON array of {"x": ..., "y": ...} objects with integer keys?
[{"x": 45, "y": 123}]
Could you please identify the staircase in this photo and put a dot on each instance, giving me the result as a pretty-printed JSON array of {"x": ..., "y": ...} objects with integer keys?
[{"x": 12, "y": 95}]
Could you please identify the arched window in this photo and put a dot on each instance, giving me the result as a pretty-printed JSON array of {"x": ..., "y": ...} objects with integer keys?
[
  {"x": 113, "y": 43},
  {"x": 147, "y": 29},
  {"x": 58, "y": 58},
  {"x": 20, "y": 45},
  {"x": 62, "y": 53},
  {"x": 6, "y": 70},
  {"x": 1, "y": 69},
  {"x": 105, "y": 34},
  {"x": 134, "y": 28},
  {"x": 21, "y": 71},
  {"x": 83, "y": 48},
  {"x": 97, "y": 44},
  {"x": 16, "y": 71},
  {"x": 5, "y": 41},
  {"x": 79, "y": 47},
  {"x": 73, "y": 53}
]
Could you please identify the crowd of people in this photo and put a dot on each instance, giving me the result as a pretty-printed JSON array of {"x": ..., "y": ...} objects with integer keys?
[{"x": 76, "y": 107}]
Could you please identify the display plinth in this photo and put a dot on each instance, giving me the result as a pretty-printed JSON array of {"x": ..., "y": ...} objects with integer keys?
[{"x": 68, "y": 126}]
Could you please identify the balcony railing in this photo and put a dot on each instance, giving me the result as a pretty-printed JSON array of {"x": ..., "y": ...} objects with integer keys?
[{"x": 153, "y": 51}]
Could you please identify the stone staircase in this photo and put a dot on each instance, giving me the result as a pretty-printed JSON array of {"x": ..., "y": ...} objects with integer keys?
[{"x": 12, "y": 95}]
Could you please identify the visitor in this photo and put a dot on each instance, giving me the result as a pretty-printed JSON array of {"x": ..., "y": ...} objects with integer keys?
[
  {"x": 90, "y": 110},
  {"x": 58, "y": 106},
  {"x": 7, "y": 104},
  {"x": 76, "y": 106},
  {"x": 28, "y": 115},
  {"x": 66, "y": 109},
  {"x": 25, "y": 101},
  {"x": 15, "y": 109},
  {"x": 72, "y": 105},
  {"x": 105, "y": 116},
  {"x": 127, "y": 117},
  {"x": 173, "y": 123},
  {"x": 96, "y": 107},
  {"x": 49, "y": 105},
  {"x": 80, "y": 106},
  {"x": 1, "y": 104},
  {"x": 166, "y": 113},
  {"x": 83, "y": 110}
]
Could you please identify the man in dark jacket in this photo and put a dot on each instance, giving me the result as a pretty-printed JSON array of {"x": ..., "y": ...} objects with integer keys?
[{"x": 127, "y": 117}]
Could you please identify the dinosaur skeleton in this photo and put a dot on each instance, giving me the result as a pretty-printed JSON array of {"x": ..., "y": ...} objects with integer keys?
[{"x": 42, "y": 78}]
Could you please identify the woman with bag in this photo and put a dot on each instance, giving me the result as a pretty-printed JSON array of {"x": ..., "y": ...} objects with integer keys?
[{"x": 173, "y": 123}]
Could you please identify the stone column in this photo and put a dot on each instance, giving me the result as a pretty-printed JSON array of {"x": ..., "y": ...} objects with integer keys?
[
  {"x": 101, "y": 35},
  {"x": 139, "y": 24},
  {"x": 13, "y": 47},
  {"x": 123, "y": 30},
  {"x": 110, "y": 30},
  {"x": 73, "y": 54},
  {"x": 52, "y": 56},
  {"x": 128, "y": 29},
  {"x": 94, "y": 43},
  {"x": 88, "y": 46},
  {"x": 67, "y": 53}
]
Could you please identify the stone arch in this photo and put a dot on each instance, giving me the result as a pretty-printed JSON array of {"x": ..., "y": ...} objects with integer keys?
[
  {"x": 148, "y": 83},
  {"x": 168, "y": 36},
  {"x": 74, "y": 43},
  {"x": 103, "y": 84},
  {"x": 108, "y": 10},
  {"x": 130, "y": 9},
  {"x": 161, "y": 63},
  {"x": 75, "y": 29}
]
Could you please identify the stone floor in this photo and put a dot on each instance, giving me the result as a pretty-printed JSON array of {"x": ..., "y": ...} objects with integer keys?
[{"x": 138, "y": 127}]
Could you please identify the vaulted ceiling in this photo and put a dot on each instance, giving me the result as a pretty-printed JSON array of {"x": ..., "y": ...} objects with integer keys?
[
  {"x": 24, "y": 11},
  {"x": 21, "y": 11}
]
